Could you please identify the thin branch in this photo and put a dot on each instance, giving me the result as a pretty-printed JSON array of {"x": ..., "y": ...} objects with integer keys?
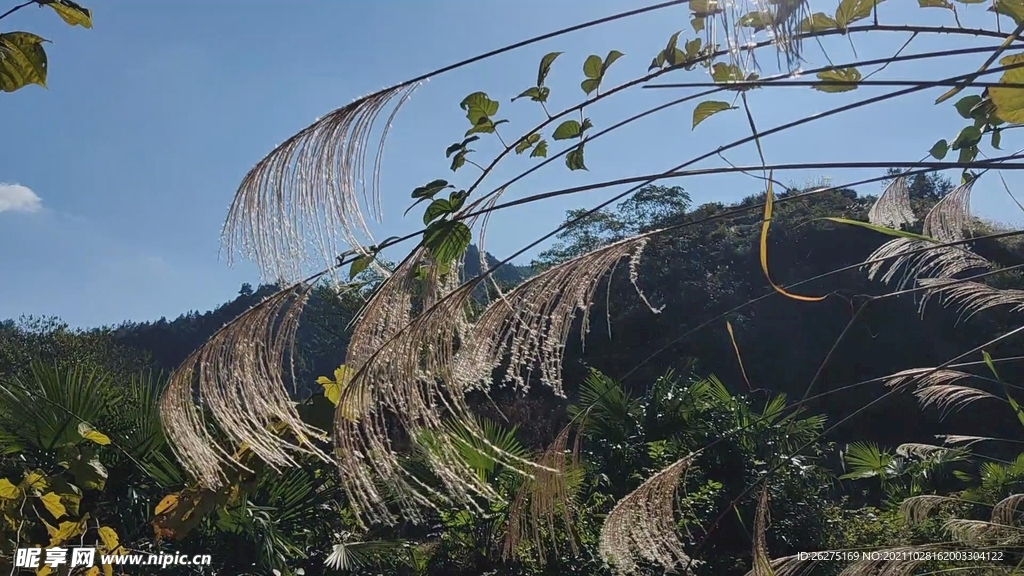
[{"x": 16, "y": 8}]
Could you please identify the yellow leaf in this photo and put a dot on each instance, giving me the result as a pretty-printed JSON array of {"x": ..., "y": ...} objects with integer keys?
[
  {"x": 65, "y": 532},
  {"x": 168, "y": 503},
  {"x": 35, "y": 480},
  {"x": 768, "y": 205},
  {"x": 109, "y": 539},
  {"x": 8, "y": 491},
  {"x": 90, "y": 433},
  {"x": 706, "y": 109},
  {"x": 739, "y": 359},
  {"x": 1010, "y": 101},
  {"x": 94, "y": 571},
  {"x": 71, "y": 12},
  {"x": 108, "y": 570},
  {"x": 22, "y": 61},
  {"x": 43, "y": 570},
  {"x": 52, "y": 503}
]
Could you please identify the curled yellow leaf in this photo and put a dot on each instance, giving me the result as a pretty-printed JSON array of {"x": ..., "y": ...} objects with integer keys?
[
  {"x": 166, "y": 504},
  {"x": 768, "y": 205},
  {"x": 89, "y": 433}
]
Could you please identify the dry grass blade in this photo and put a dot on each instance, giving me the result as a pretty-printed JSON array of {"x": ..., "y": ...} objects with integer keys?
[
  {"x": 950, "y": 397},
  {"x": 540, "y": 501},
  {"x": 892, "y": 209},
  {"x": 961, "y": 440},
  {"x": 916, "y": 450},
  {"x": 980, "y": 533},
  {"x": 641, "y": 526},
  {"x": 917, "y": 509},
  {"x": 238, "y": 376},
  {"x": 972, "y": 297},
  {"x": 913, "y": 259},
  {"x": 1005, "y": 510},
  {"x": 529, "y": 327},
  {"x": 308, "y": 191},
  {"x": 403, "y": 379},
  {"x": 925, "y": 377},
  {"x": 951, "y": 215}
]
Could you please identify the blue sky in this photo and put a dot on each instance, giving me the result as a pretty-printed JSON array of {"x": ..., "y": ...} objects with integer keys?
[{"x": 119, "y": 175}]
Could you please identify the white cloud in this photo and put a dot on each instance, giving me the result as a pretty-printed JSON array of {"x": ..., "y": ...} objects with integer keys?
[{"x": 18, "y": 198}]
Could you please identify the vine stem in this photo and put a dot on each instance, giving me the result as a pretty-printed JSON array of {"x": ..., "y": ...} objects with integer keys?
[
  {"x": 16, "y": 8},
  {"x": 976, "y": 32}
]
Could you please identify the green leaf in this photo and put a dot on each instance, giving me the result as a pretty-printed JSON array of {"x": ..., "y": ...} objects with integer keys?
[
  {"x": 574, "y": 159},
  {"x": 967, "y": 137},
  {"x": 966, "y": 104},
  {"x": 447, "y": 240},
  {"x": 838, "y": 75},
  {"x": 934, "y": 4},
  {"x": 818, "y": 22},
  {"x": 706, "y": 7},
  {"x": 997, "y": 136},
  {"x": 722, "y": 72},
  {"x": 545, "y": 67},
  {"x": 592, "y": 67},
  {"x": 477, "y": 105},
  {"x": 437, "y": 209},
  {"x": 527, "y": 142},
  {"x": 430, "y": 189},
  {"x": 697, "y": 23},
  {"x": 706, "y": 109},
  {"x": 537, "y": 94},
  {"x": 1009, "y": 102},
  {"x": 589, "y": 85},
  {"x": 850, "y": 11},
  {"x": 88, "y": 472},
  {"x": 483, "y": 126},
  {"x": 459, "y": 160},
  {"x": 939, "y": 150},
  {"x": 22, "y": 61},
  {"x": 758, "y": 20},
  {"x": 881, "y": 229},
  {"x": 566, "y": 130},
  {"x": 540, "y": 150},
  {"x": 72, "y": 13},
  {"x": 609, "y": 60},
  {"x": 457, "y": 199},
  {"x": 359, "y": 264},
  {"x": 87, "y": 432}
]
